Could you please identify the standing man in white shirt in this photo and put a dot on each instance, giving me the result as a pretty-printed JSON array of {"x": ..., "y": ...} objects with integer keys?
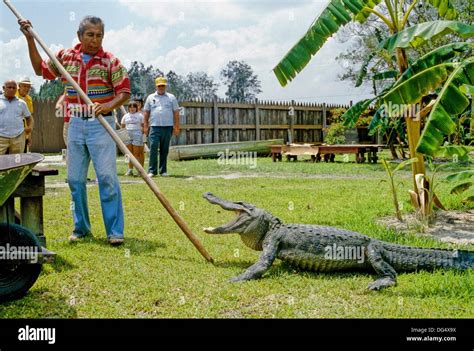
[
  {"x": 161, "y": 113},
  {"x": 12, "y": 112}
]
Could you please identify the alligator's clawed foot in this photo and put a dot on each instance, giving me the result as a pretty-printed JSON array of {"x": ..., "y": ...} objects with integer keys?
[{"x": 382, "y": 283}]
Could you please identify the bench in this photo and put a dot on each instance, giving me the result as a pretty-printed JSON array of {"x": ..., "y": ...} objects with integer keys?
[{"x": 328, "y": 152}]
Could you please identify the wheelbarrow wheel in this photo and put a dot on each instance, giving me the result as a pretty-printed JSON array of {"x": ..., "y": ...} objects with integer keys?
[{"x": 16, "y": 278}]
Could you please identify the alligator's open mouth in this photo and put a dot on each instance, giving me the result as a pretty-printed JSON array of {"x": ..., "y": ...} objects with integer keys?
[
  {"x": 225, "y": 227},
  {"x": 238, "y": 208}
]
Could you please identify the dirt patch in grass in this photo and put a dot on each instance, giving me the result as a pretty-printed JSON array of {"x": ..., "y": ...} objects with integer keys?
[
  {"x": 276, "y": 176},
  {"x": 455, "y": 227}
]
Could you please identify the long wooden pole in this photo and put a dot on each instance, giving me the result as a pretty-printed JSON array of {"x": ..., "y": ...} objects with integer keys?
[{"x": 177, "y": 218}]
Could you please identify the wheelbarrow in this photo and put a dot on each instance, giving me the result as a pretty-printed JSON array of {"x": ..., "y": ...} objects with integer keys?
[{"x": 22, "y": 252}]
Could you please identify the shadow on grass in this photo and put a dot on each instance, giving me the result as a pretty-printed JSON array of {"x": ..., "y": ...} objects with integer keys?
[
  {"x": 136, "y": 246},
  {"x": 179, "y": 176},
  {"x": 285, "y": 269},
  {"x": 233, "y": 264},
  {"x": 59, "y": 265},
  {"x": 38, "y": 304},
  {"x": 197, "y": 260}
]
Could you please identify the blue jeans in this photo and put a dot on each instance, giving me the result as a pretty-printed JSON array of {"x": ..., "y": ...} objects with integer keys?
[
  {"x": 87, "y": 140},
  {"x": 159, "y": 137}
]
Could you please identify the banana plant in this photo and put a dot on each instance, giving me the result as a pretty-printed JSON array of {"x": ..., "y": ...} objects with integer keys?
[
  {"x": 440, "y": 70},
  {"x": 466, "y": 183},
  {"x": 424, "y": 198},
  {"x": 391, "y": 175},
  {"x": 340, "y": 12}
]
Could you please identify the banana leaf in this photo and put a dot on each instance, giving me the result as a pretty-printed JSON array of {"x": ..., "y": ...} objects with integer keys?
[
  {"x": 336, "y": 15},
  {"x": 378, "y": 121},
  {"x": 405, "y": 163},
  {"x": 437, "y": 56},
  {"x": 416, "y": 35},
  {"x": 458, "y": 189},
  {"x": 450, "y": 101},
  {"x": 385, "y": 75},
  {"x": 351, "y": 116},
  {"x": 363, "y": 70},
  {"x": 410, "y": 91},
  {"x": 460, "y": 176},
  {"x": 445, "y": 8},
  {"x": 467, "y": 89},
  {"x": 460, "y": 153},
  {"x": 469, "y": 199}
]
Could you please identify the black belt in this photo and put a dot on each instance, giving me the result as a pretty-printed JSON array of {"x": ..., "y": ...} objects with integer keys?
[{"x": 89, "y": 117}]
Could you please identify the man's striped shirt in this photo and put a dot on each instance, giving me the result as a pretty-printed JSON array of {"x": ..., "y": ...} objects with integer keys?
[{"x": 102, "y": 78}]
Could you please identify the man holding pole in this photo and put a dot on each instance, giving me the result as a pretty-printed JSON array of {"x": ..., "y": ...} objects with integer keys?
[{"x": 106, "y": 83}]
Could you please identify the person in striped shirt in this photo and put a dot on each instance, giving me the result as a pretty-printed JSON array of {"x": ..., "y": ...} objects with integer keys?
[{"x": 106, "y": 82}]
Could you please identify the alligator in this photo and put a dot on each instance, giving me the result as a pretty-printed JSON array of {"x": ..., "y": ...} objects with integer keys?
[{"x": 328, "y": 249}]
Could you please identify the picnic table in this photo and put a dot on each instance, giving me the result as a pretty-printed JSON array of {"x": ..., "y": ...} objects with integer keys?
[{"x": 328, "y": 152}]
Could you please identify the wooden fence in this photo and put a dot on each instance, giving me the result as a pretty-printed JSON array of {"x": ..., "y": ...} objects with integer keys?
[
  {"x": 214, "y": 121},
  {"x": 47, "y": 133}
]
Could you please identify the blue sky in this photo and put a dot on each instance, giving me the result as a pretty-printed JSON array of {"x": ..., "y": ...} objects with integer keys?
[{"x": 188, "y": 36}]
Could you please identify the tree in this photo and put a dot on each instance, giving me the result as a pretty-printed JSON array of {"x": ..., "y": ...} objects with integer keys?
[
  {"x": 201, "y": 85},
  {"x": 242, "y": 84},
  {"x": 196, "y": 85},
  {"x": 412, "y": 85},
  {"x": 142, "y": 79},
  {"x": 378, "y": 70},
  {"x": 177, "y": 85},
  {"x": 33, "y": 93},
  {"x": 50, "y": 90}
]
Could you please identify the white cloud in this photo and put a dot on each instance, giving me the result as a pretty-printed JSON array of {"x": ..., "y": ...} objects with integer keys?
[
  {"x": 202, "y": 32},
  {"x": 262, "y": 45},
  {"x": 180, "y": 11},
  {"x": 214, "y": 33},
  {"x": 258, "y": 44},
  {"x": 133, "y": 44},
  {"x": 15, "y": 62}
]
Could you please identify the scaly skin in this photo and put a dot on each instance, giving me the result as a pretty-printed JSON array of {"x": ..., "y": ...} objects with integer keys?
[{"x": 328, "y": 249}]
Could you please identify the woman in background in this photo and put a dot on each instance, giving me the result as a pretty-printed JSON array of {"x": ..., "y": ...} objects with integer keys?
[{"x": 133, "y": 123}]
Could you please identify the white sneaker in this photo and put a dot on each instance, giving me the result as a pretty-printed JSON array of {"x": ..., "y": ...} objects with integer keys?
[
  {"x": 164, "y": 174},
  {"x": 151, "y": 175},
  {"x": 129, "y": 172}
]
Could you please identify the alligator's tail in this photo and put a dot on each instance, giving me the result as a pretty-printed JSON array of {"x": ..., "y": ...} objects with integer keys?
[{"x": 407, "y": 258}]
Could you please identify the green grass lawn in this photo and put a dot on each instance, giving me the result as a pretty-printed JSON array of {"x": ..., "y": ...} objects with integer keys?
[{"x": 158, "y": 273}]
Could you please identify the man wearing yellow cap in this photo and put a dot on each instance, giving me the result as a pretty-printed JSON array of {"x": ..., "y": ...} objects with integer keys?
[{"x": 161, "y": 114}]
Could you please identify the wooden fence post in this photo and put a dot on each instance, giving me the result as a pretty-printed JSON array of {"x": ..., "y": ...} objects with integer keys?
[
  {"x": 257, "y": 121},
  {"x": 216, "y": 120},
  {"x": 291, "y": 117},
  {"x": 325, "y": 124}
]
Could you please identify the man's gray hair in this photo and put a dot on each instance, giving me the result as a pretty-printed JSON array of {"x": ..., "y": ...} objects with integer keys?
[
  {"x": 9, "y": 81},
  {"x": 92, "y": 20}
]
